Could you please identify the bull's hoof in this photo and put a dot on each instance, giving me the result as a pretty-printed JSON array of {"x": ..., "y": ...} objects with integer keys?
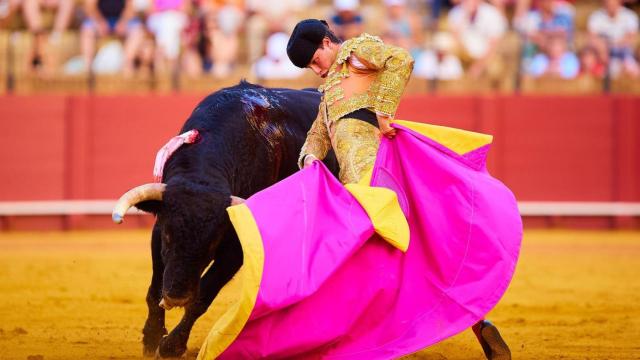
[
  {"x": 148, "y": 352},
  {"x": 151, "y": 341},
  {"x": 159, "y": 357},
  {"x": 171, "y": 347},
  {"x": 495, "y": 348}
]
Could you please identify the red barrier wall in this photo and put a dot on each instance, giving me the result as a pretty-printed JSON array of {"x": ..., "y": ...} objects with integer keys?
[
  {"x": 545, "y": 148},
  {"x": 550, "y": 148},
  {"x": 32, "y": 148}
]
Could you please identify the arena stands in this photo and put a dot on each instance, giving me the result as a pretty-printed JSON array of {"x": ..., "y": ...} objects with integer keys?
[{"x": 506, "y": 47}]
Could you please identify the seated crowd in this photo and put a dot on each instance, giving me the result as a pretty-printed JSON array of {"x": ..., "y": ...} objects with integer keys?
[{"x": 448, "y": 39}]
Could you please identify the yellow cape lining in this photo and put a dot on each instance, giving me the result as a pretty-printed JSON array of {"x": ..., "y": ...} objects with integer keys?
[
  {"x": 458, "y": 140},
  {"x": 382, "y": 207},
  {"x": 227, "y": 328}
]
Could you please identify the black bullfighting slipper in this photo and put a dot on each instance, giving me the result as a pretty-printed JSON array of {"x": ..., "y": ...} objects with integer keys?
[{"x": 495, "y": 348}]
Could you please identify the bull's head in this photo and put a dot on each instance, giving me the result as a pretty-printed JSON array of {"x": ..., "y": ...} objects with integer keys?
[{"x": 191, "y": 222}]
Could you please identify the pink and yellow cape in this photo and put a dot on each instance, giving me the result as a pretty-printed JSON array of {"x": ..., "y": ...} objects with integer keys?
[{"x": 417, "y": 252}]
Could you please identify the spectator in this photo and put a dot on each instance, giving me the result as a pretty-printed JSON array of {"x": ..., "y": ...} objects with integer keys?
[
  {"x": 591, "y": 64},
  {"x": 194, "y": 60},
  {"x": 548, "y": 18},
  {"x": 556, "y": 61},
  {"x": 166, "y": 21},
  {"x": 504, "y": 5},
  {"x": 211, "y": 40},
  {"x": 617, "y": 27},
  {"x": 268, "y": 17},
  {"x": 439, "y": 63},
  {"x": 276, "y": 64},
  {"x": 223, "y": 28},
  {"x": 347, "y": 22},
  {"x": 402, "y": 27},
  {"x": 477, "y": 28},
  {"x": 436, "y": 8},
  {"x": 111, "y": 17},
  {"x": 6, "y": 9},
  {"x": 32, "y": 12},
  {"x": 552, "y": 17}
]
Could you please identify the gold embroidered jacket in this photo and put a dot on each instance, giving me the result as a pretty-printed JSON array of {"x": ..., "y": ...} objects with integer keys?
[{"x": 366, "y": 74}]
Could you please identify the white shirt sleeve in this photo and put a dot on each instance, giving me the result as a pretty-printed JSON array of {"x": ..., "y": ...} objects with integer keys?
[{"x": 356, "y": 63}]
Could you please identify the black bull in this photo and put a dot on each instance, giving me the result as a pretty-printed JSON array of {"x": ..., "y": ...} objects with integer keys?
[{"x": 250, "y": 138}]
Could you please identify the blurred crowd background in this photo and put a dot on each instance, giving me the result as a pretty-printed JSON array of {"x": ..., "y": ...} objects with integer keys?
[{"x": 129, "y": 46}]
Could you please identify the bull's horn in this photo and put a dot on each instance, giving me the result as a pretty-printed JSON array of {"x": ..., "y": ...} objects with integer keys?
[
  {"x": 236, "y": 200},
  {"x": 152, "y": 191}
]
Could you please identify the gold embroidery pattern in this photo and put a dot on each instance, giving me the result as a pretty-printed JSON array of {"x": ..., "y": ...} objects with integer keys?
[
  {"x": 334, "y": 94},
  {"x": 355, "y": 102},
  {"x": 334, "y": 77},
  {"x": 351, "y": 45},
  {"x": 396, "y": 65},
  {"x": 356, "y": 146}
]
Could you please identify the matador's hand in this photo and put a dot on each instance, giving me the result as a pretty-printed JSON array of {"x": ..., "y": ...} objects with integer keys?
[
  {"x": 384, "y": 122},
  {"x": 308, "y": 160}
]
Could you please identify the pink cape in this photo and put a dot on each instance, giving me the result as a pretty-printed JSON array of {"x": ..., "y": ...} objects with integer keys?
[{"x": 324, "y": 285}]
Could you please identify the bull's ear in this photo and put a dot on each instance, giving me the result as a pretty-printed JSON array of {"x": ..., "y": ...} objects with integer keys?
[{"x": 150, "y": 206}]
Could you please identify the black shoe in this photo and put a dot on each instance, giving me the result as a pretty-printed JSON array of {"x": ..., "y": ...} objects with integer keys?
[{"x": 492, "y": 343}]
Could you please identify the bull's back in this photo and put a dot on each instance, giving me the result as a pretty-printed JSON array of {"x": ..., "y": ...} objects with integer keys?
[
  {"x": 260, "y": 129},
  {"x": 301, "y": 105}
]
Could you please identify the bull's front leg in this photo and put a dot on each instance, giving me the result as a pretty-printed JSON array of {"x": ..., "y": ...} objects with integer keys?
[
  {"x": 227, "y": 262},
  {"x": 154, "y": 328}
]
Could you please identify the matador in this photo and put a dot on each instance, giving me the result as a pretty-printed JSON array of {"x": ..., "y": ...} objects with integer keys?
[{"x": 364, "y": 80}]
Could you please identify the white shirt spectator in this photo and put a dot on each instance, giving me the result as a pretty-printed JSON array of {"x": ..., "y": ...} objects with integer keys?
[
  {"x": 167, "y": 27},
  {"x": 276, "y": 64},
  {"x": 475, "y": 34},
  {"x": 427, "y": 66},
  {"x": 614, "y": 29},
  {"x": 439, "y": 62}
]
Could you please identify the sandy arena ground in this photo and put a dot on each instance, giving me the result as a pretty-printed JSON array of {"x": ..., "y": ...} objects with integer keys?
[{"x": 80, "y": 295}]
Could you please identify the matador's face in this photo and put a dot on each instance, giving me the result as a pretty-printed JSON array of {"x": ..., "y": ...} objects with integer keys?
[{"x": 323, "y": 58}]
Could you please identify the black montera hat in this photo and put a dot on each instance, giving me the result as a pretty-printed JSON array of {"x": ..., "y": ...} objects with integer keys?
[{"x": 304, "y": 41}]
